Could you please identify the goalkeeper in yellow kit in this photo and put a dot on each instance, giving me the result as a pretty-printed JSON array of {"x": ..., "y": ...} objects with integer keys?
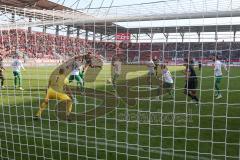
[{"x": 57, "y": 89}]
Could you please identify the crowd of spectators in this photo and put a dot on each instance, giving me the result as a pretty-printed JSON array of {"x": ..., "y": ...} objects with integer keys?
[{"x": 44, "y": 45}]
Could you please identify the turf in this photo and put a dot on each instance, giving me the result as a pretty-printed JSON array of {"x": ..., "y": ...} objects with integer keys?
[{"x": 138, "y": 126}]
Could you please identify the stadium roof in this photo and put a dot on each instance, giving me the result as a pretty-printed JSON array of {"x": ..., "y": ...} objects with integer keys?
[
  {"x": 112, "y": 29},
  {"x": 105, "y": 17},
  {"x": 34, "y": 4},
  {"x": 28, "y": 8}
]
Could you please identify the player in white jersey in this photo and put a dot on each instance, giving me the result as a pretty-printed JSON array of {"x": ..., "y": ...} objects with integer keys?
[
  {"x": 17, "y": 67},
  {"x": 218, "y": 75},
  {"x": 75, "y": 74},
  {"x": 151, "y": 71},
  {"x": 117, "y": 68},
  {"x": 166, "y": 81},
  {"x": 150, "y": 65}
]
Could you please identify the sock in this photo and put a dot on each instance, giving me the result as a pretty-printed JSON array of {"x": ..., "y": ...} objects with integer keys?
[
  {"x": 41, "y": 109},
  {"x": 69, "y": 108},
  {"x": 20, "y": 81},
  {"x": 190, "y": 95},
  {"x": 195, "y": 97},
  {"x": 15, "y": 81}
]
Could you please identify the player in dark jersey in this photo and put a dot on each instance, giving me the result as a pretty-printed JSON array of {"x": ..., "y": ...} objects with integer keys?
[
  {"x": 191, "y": 81},
  {"x": 1, "y": 73},
  {"x": 156, "y": 63},
  {"x": 199, "y": 65},
  {"x": 88, "y": 59}
]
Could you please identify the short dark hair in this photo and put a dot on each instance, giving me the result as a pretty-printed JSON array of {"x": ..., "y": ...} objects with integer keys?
[
  {"x": 61, "y": 71},
  {"x": 218, "y": 57},
  {"x": 188, "y": 61}
]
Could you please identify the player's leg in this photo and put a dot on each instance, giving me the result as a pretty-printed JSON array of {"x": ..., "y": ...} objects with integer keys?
[
  {"x": 69, "y": 107},
  {"x": 17, "y": 80},
  {"x": 42, "y": 107},
  {"x": 68, "y": 101},
  {"x": 149, "y": 78},
  {"x": 15, "y": 74},
  {"x": 114, "y": 80},
  {"x": 194, "y": 95},
  {"x": 190, "y": 89},
  {"x": 2, "y": 79},
  {"x": 20, "y": 81},
  {"x": 71, "y": 78},
  {"x": 217, "y": 87},
  {"x": 79, "y": 80},
  {"x": 186, "y": 92},
  {"x": 169, "y": 89},
  {"x": 160, "y": 90},
  {"x": 81, "y": 75},
  {"x": 51, "y": 94},
  {"x": 193, "y": 90},
  {"x": 156, "y": 70}
]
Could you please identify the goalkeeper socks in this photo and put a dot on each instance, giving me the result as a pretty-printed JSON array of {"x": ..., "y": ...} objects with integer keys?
[{"x": 41, "y": 109}]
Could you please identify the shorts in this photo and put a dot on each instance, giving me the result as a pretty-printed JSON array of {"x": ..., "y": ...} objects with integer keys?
[
  {"x": 74, "y": 77},
  {"x": 218, "y": 79},
  {"x": 150, "y": 73},
  {"x": 191, "y": 84},
  {"x": 54, "y": 95},
  {"x": 16, "y": 74}
]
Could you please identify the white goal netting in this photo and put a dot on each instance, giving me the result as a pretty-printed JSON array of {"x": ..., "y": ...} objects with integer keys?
[{"x": 118, "y": 80}]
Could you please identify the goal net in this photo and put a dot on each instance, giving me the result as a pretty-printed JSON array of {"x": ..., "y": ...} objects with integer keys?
[{"x": 118, "y": 80}]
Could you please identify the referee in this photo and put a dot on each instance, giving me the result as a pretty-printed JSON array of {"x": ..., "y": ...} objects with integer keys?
[{"x": 191, "y": 81}]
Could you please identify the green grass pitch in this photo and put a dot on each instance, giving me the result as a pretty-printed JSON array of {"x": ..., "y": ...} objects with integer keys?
[{"x": 150, "y": 129}]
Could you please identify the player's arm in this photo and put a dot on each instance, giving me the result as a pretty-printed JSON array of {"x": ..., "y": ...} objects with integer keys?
[
  {"x": 187, "y": 73},
  {"x": 217, "y": 67},
  {"x": 225, "y": 67},
  {"x": 22, "y": 66},
  {"x": 13, "y": 64},
  {"x": 171, "y": 75}
]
